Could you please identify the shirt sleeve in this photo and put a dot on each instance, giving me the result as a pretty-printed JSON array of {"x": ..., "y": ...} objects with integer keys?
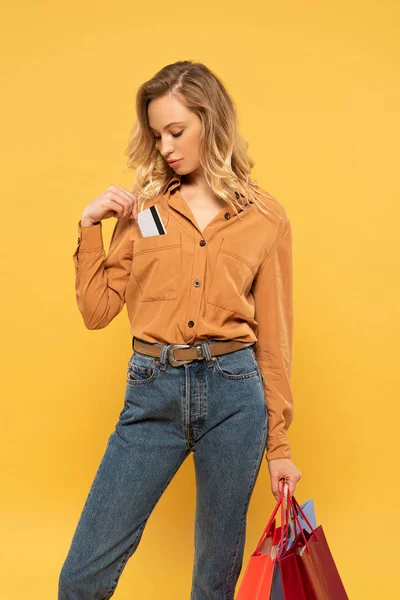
[
  {"x": 100, "y": 280},
  {"x": 273, "y": 295}
]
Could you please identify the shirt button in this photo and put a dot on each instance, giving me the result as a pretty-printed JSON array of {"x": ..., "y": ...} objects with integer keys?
[
  {"x": 227, "y": 215},
  {"x": 202, "y": 242},
  {"x": 197, "y": 283},
  {"x": 190, "y": 323}
]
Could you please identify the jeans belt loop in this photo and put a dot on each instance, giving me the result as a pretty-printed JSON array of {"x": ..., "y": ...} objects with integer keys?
[
  {"x": 207, "y": 354},
  {"x": 163, "y": 357}
]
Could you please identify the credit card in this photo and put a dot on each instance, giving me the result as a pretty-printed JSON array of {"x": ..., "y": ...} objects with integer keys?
[{"x": 150, "y": 222}]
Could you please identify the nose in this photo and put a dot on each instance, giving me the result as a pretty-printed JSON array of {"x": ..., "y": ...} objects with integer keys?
[{"x": 166, "y": 149}]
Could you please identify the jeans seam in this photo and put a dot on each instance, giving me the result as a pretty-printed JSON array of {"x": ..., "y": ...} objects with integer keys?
[{"x": 258, "y": 462}]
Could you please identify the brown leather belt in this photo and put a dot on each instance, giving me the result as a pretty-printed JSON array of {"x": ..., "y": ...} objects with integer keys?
[{"x": 179, "y": 354}]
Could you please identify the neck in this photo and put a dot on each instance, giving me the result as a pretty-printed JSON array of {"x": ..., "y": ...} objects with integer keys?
[{"x": 196, "y": 180}]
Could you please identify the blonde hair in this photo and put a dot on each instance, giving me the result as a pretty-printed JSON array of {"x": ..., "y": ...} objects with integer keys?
[{"x": 223, "y": 152}]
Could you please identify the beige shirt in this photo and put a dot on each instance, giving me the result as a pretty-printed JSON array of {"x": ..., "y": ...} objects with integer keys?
[{"x": 233, "y": 280}]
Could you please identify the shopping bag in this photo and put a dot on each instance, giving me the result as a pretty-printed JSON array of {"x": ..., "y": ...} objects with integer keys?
[
  {"x": 257, "y": 577},
  {"x": 309, "y": 511},
  {"x": 307, "y": 570}
]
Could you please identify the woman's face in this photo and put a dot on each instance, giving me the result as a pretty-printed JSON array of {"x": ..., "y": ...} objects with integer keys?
[{"x": 177, "y": 132}]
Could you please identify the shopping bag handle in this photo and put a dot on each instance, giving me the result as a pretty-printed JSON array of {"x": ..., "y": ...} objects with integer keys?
[
  {"x": 295, "y": 505},
  {"x": 285, "y": 521},
  {"x": 267, "y": 531},
  {"x": 293, "y": 509}
]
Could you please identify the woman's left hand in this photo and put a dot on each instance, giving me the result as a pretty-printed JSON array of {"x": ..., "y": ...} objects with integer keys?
[{"x": 281, "y": 470}]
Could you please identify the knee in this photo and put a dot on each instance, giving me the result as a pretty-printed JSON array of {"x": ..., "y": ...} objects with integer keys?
[
  {"x": 70, "y": 586},
  {"x": 67, "y": 585},
  {"x": 74, "y": 584}
]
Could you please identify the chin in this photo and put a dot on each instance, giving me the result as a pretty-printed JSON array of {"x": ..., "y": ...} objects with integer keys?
[
  {"x": 181, "y": 170},
  {"x": 184, "y": 171}
]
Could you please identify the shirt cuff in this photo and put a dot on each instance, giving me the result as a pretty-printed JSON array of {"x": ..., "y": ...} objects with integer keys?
[
  {"x": 90, "y": 238},
  {"x": 277, "y": 447}
]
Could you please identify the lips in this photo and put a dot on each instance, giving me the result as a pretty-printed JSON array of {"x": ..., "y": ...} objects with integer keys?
[{"x": 174, "y": 161}]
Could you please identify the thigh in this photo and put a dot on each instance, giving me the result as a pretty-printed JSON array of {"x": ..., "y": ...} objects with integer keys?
[
  {"x": 227, "y": 459},
  {"x": 141, "y": 457},
  {"x": 236, "y": 425}
]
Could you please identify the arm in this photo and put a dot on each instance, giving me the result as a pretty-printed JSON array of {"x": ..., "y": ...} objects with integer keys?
[
  {"x": 100, "y": 280},
  {"x": 273, "y": 294}
]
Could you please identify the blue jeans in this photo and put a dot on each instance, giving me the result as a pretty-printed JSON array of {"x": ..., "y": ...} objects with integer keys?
[{"x": 215, "y": 408}]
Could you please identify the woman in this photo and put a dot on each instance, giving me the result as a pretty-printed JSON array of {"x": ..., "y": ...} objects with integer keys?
[{"x": 209, "y": 299}]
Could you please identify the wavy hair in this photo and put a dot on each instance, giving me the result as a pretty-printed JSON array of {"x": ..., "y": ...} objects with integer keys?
[{"x": 223, "y": 151}]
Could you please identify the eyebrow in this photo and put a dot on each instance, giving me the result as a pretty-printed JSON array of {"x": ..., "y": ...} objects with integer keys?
[{"x": 169, "y": 124}]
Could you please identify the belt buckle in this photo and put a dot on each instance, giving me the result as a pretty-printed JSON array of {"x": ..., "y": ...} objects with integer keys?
[{"x": 173, "y": 361}]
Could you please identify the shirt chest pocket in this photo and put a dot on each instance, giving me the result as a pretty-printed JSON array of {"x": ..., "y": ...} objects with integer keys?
[
  {"x": 231, "y": 279},
  {"x": 157, "y": 266}
]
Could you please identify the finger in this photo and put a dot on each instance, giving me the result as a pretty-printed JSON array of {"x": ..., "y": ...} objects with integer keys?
[
  {"x": 127, "y": 199},
  {"x": 277, "y": 487},
  {"x": 128, "y": 205},
  {"x": 120, "y": 187},
  {"x": 281, "y": 481},
  {"x": 132, "y": 199},
  {"x": 290, "y": 483},
  {"x": 126, "y": 193},
  {"x": 134, "y": 212},
  {"x": 274, "y": 486},
  {"x": 275, "y": 491},
  {"x": 118, "y": 206}
]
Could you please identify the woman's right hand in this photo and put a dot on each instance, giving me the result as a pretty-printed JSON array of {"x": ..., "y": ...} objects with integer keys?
[{"x": 115, "y": 201}]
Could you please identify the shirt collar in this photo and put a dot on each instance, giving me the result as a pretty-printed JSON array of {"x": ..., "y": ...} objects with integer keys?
[{"x": 175, "y": 181}]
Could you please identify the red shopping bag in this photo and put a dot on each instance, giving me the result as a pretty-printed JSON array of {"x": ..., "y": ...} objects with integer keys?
[
  {"x": 307, "y": 569},
  {"x": 257, "y": 578}
]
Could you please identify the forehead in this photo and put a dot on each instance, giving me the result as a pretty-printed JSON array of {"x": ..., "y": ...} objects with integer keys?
[{"x": 166, "y": 111}]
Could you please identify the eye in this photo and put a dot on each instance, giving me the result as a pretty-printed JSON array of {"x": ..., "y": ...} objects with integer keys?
[{"x": 175, "y": 135}]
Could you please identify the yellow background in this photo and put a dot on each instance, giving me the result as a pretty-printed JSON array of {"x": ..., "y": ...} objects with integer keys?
[{"x": 317, "y": 89}]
